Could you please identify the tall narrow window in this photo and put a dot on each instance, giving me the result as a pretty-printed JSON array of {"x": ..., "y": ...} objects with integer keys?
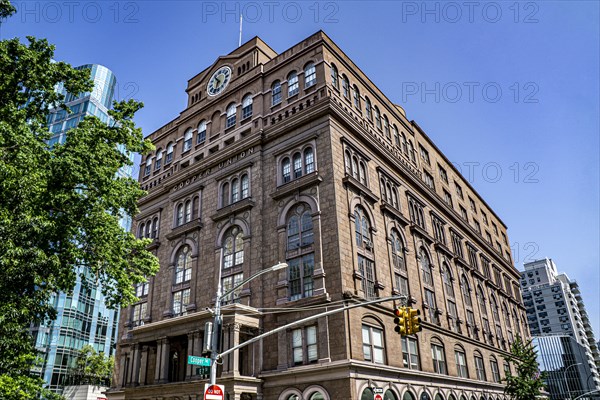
[
  {"x": 229, "y": 282},
  {"x": 158, "y": 161},
  {"x": 447, "y": 278},
  {"x": 346, "y": 87},
  {"x": 373, "y": 349},
  {"x": 169, "y": 156},
  {"x": 334, "y": 77},
  {"x": 297, "y": 161},
  {"x": 309, "y": 160},
  {"x": 247, "y": 106},
  {"x": 310, "y": 75},
  {"x": 362, "y": 229},
  {"x": 245, "y": 186},
  {"x": 235, "y": 191},
  {"x": 292, "y": 82},
  {"x": 231, "y": 115},
  {"x": 396, "y": 135},
  {"x": 286, "y": 170},
  {"x": 495, "y": 370},
  {"x": 438, "y": 358},
  {"x": 148, "y": 166},
  {"x": 386, "y": 128},
  {"x": 225, "y": 195},
  {"x": 276, "y": 93},
  {"x": 201, "y": 132},
  {"x": 187, "y": 140},
  {"x": 233, "y": 249},
  {"x": 466, "y": 291},
  {"x": 461, "y": 362},
  {"x": 356, "y": 96},
  {"x": 377, "y": 118},
  {"x": 183, "y": 268},
  {"x": 425, "y": 267},
  {"x": 304, "y": 345},
  {"x": 300, "y": 252},
  {"x": 410, "y": 352},
  {"x": 188, "y": 211},
  {"x": 479, "y": 367},
  {"x": 180, "y": 215},
  {"x": 397, "y": 251},
  {"x": 368, "y": 109},
  {"x": 181, "y": 299},
  {"x": 155, "y": 228}
]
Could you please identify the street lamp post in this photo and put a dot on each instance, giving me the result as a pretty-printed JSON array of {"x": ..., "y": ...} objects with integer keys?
[
  {"x": 566, "y": 381},
  {"x": 214, "y": 355}
]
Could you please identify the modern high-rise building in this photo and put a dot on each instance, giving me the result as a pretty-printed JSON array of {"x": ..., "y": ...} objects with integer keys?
[
  {"x": 82, "y": 317},
  {"x": 298, "y": 157},
  {"x": 566, "y": 366},
  {"x": 554, "y": 306}
]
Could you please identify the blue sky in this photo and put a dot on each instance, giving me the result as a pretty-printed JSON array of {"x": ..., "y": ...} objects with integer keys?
[{"x": 509, "y": 91}]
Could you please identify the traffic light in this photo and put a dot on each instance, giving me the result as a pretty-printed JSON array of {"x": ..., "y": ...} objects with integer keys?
[
  {"x": 401, "y": 320},
  {"x": 414, "y": 321}
]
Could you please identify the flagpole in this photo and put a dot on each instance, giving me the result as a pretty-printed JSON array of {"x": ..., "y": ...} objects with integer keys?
[{"x": 240, "y": 41}]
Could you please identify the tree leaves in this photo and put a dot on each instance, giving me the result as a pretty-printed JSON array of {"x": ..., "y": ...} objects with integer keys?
[
  {"x": 60, "y": 207},
  {"x": 528, "y": 383}
]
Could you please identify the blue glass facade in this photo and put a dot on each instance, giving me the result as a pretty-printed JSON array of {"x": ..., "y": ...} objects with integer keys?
[{"x": 82, "y": 317}]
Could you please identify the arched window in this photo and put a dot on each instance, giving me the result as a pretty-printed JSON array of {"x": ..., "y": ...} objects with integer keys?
[
  {"x": 247, "y": 106},
  {"x": 141, "y": 230},
  {"x": 461, "y": 362},
  {"x": 300, "y": 252},
  {"x": 169, "y": 156},
  {"x": 158, "y": 161},
  {"x": 368, "y": 109},
  {"x": 494, "y": 306},
  {"x": 364, "y": 243},
  {"x": 276, "y": 93},
  {"x": 495, "y": 369},
  {"x": 396, "y": 135},
  {"x": 408, "y": 396},
  {"x": 345, "y": 87},
  {"x": 309, "y": 160},
  {"x": 397, "y": 251},
  {"x": 356, "y": 96},
  {"x": 466, "y": 291},
  {"x": 286, "y": 170},
  {"x": 447, "y": 278},
  {"x": 155, "y": 228},
  {"x": 292, "y": 81},
  {"x": 386, "y": 127},
  {"x": 389, "y": 395},
  {"x": 310, "y": 75},
  {"x": 297, "y": 162},
  {"x": 148, "y": 229},
  {"x": 362, "y": 173},
  {"x": 425, "y": 267},
  {"x": 231, "y": 115},
  {"x": 334, "y": 77},
  {"x": 411, "y": 152},
  {"x": 235, "y": 191},
  {"x": 377, "y": 117},
  {"x": 188, "y": 211},
  {"x": 148, "y": 166},
  {"x": 183, "y": 268},
  {"x": 245, "y": 186},
  {"x": 225, "y": 195},
  {"x": 481, "y": 300},
  {"x": 403, "y": 143},
  {"x": 201, "y": 132},
  {"x": 367, "y": 394},
  {"x": 348, "y": 162},
  {"x": 316, "y": 396},
  {"x": 187, "y": 140},
  {"x": 233, "y": 249},
  {"x": 362, "y": 229},
  {"x": 373, "y": 342},
  {"x": 479, "y": 367},
  {"x": 180, "y": 215}
]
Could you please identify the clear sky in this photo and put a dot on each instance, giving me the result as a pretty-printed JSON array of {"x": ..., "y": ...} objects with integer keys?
[{"x": 509, "y": 91}]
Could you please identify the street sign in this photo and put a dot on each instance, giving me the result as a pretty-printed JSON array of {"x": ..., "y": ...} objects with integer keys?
[
  {"x": 377, "y": 390},
  {"x": 214, "y": 392},
  {"x": 202, "y": 361},
  {"x": 378, "y": 397}
]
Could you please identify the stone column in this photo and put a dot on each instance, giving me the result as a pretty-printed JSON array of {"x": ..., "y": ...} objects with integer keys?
[
  {"x": 143, "y": 366},
  {"x": 235, "y": 339},
  {"x": 162, "y": 361},
  {"x": 189, "y": 369},
  {"x": 135, "y": 370},
  {"x": 122, "y": 371}
]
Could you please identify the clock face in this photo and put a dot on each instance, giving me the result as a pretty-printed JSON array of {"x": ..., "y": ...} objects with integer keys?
[{"x": 218, "y": 81}]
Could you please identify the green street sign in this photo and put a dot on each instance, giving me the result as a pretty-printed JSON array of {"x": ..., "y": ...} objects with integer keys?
[{"x": 203, "y": 361}]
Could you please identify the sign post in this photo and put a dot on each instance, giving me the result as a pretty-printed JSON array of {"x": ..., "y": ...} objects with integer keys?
[{"x": 214, "y": 392}]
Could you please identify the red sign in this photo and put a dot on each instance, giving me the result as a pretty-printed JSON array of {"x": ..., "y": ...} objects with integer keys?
[
  {"x": 378, "y": 397},
  {"x": 214, "y": 392}
]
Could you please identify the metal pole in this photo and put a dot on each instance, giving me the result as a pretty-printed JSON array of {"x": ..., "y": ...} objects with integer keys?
[{"x": 566, "y": 381}]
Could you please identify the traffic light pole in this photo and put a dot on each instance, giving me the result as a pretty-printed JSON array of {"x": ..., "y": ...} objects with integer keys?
[{"x": 307, "y": 319}]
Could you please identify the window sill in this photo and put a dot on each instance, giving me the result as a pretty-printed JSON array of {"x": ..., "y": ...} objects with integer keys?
[
  {"x": 297, "y": 184},
  {"x": 239, "y": 206},
  {"x": 185, "y": 228},
  {"x": 360, "y": 188}
]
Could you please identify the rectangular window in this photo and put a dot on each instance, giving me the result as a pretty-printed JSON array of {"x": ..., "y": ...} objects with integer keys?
[
  {"x": 304, "y": 345},
  {"x": 141, "y": 289},
  {"x": 373, "y": 344},
  {"x": 301, "y": 283},
  {"x": 428, "y": 180},
  {"x": 367, "y": 271},
  {"x": 438, "y": 359},
  {"x": 443, "y": 174},
  {"x": 410, "y": 354},
  {"x": 438, "y": 229},
  {"x": 463, "y": 213},
  {"x": 247, "y": 111},
  {"x": 461, "y": 364},
  {"x": 139, "y": 313},
  {"x": 472, "y": 205},
  {"x": 402, "y": 284},
  {"x": 230, "y": 282},
  {"x": 424, "y": 154},
  {"x": 459, "y": 191},
  {"x": 453, "y": 317},
  {"x": 431, "y": 306},
  {"x": 456, "y": 243},
  {"x": 448, "y": 198},
  {"x": 180, "y": 301},
  {"x": 484, "y": 216}
]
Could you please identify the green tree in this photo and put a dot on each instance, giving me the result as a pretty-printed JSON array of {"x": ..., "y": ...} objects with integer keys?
[
  {"x": 59, "y": 207},
  {"x": 91, "y": 368},
  {"x": 528, "y": 383}
]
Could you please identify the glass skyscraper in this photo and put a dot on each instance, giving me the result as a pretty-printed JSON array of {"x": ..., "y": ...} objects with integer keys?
[{"x": 82, "y": 317}]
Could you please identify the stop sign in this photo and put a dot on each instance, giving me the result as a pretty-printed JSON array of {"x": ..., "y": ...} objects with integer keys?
[
  {"x": 214, "y": 392},
  {"x": 378, "y": 397}
]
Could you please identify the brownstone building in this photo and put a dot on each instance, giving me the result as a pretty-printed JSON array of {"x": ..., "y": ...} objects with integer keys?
[{"x": 298, "y": 157}]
